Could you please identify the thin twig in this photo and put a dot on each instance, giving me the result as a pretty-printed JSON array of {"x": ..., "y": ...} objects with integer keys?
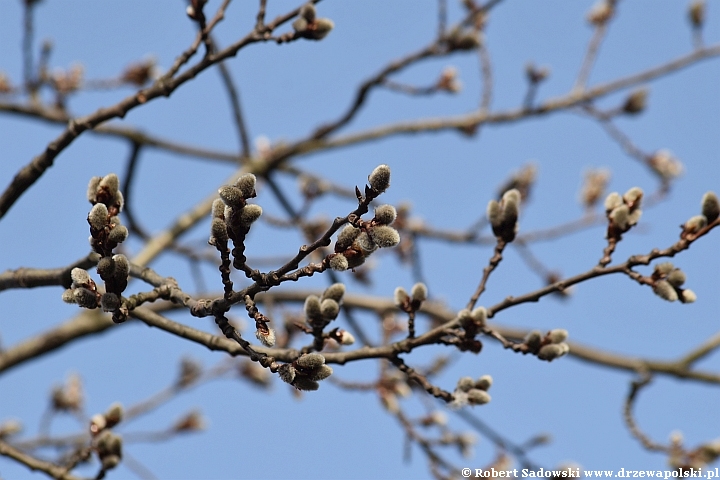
[
  {"x": 234, "y": 96},
  {"x": 590, "y": 57},
  {"x": 487, "y": 77},
  {"x": 127, "y": 190},
  {"x": 29, "y": 174},
  {"x": 635, "y": 387},
  {"x": 474, "y": 119},
  {"x": 27, "y": 47},
  {"x": 55, "y": 471},
  {"x": 503, "y": 443},
  {"x": 492, "y": 265},
  {"x": 260, "y": 22},
  {"x": 442, "y": 19}
]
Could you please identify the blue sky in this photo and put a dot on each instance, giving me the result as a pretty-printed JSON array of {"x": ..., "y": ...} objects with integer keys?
[{"x": 287, "y": 91}]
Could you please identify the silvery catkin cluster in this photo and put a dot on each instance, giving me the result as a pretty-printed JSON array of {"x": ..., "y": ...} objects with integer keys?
[
  {"x": 355, "y": 243},
  {"x": 106, "y": 233},
  {"x": 623, "y": 212}
]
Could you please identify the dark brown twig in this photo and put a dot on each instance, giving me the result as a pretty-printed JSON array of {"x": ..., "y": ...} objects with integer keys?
[{"x": 632, "y": 425}]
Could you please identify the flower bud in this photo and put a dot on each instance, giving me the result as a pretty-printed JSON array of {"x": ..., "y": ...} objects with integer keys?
[
  {"x": 218, "y": 208},
  {"x": 620, "y": 217},
  {"x": 218, "y": 230},
  {"x": 85, "y": 298},
  {"x": 600, "y": 13},
  {"x": 466, "y": 41},
  {"x": 449, "y": 80},
  {"x": 696, "y": 13},
  {"x": 114, "y": 415},
  {"x": 108, "y": 443},
  {"x": 664, "y": 290},
  {"x": 384, "y": 236},
  {"x": 676, "y": 278},
  {"x": 478, "y": 397},
  {"x": 695, "y": 224},
  {"x": 379, "y": 179},
  {"x": 710, "y": 206},
  {"x": 664, "y": 268},
  {"x": 334, "y": 292},
  {"x": 688, "y": 296},
  {"x": 636, "y": 101},
  {"x": 385, "y": 214},
  {"x": 308, "y": 12},
  {"x": 511, "y": 200},
  {"x": 320, "y": 373},
  {"x": 329, "y": 308},
  {"x": 533, "y": 339},
  {"x": 98, "y": 216},
  {"x": 594, "y": 186},
  {"x": 346, "y": 338},
  {"x": 68, "y": 296},
  {"x": 118, "y": 234},
  {"x": 466, "y": 319},
  {"x": 400, "y": 297},
  {"x": 109, "y": 302},
  {"x": 494, "y": 213},
  {"x": 106, "y": 267},
  {"x": 122, "y": 266},
  {"x": 312, "y": 307},
  {"x": 536, "y": 74},
  {"x": 190, "y": 372},
  {"x": 79, "y": 276},
  {"x": 419, "y": 292},
  {"x": 111, "y": 183},
  {"x": 479, "y": 315},
  {"x": 92, "y": 189},
  {"x": 613, "y": 201},
  {"x": 300, "y": 25},
  {"x": 303, "y": 383},
  {"x": 437, "y": 417},
  {"x": 266, "y": 336},
  {"x": 505, "y": 224},
  {"x": 287, "y": 373},
  {"x": 465, "y": 384},
  {"x": 119, "y": 201},
  {"x": 320, "y": 28},
  {"x": 666, "y": 165},
  {"x": 310, "y": 360},
  {"x": 97, "y": 424},
  {"x": 232, "y": 196},
  {"x": 249, "y": 214},
  {"x": 364, "y": 244},
  {"x": 634, "y": 217},
  {"x": 633, "y": 197},
  {"x": 246, "y": 184},
  {"x": 484, "y": 382},
  {"x": 552, "y": 351},
  {"x": 339, "y": 263},
  {"x": 346, "y": 237},
  {"x": 558, "y": 335},
  {"x": 191, "y": 422}
]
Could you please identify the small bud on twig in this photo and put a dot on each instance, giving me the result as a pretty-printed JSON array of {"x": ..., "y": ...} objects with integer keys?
[
  {"x": 636, "y": 101},
  {"x": 600, "y": 13},
  {"x": 696, "y": 13}
]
